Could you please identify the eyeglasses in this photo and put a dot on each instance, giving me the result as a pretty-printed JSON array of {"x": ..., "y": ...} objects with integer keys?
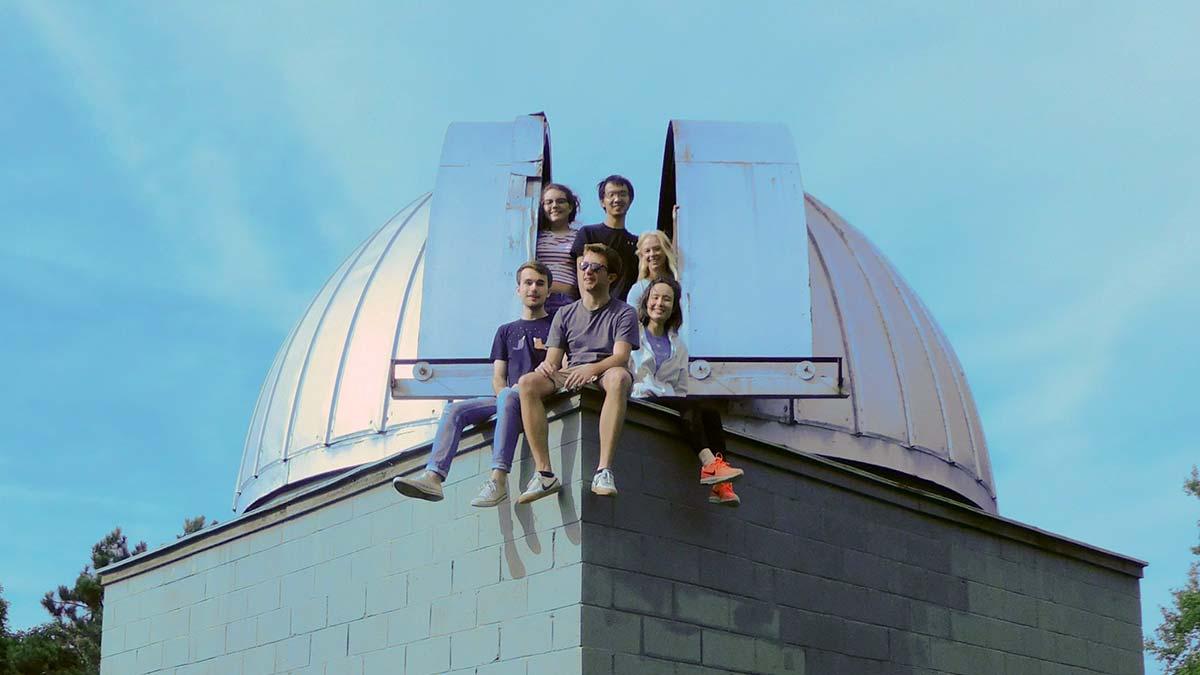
[
  {"x": 592, "y": 267},
  {"x": 552, "y": 202}
]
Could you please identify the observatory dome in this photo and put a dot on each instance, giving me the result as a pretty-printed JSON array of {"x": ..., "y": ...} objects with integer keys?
[{"x": 325, "y": 404}]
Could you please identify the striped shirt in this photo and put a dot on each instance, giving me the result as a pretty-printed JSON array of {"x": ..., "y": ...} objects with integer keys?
[{"x": 554, "y": 250}]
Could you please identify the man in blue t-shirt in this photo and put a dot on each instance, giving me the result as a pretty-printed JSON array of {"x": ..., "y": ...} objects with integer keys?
[
  {"x": 518, "y": 348},
  {"x": 616, "y": 196}
]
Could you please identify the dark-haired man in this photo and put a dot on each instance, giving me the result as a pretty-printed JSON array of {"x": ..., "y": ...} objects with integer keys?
[
  {"x": 518, "y": 348},
  {"x": 597, "y": 332},
  {"x": 616, "y": 196}
]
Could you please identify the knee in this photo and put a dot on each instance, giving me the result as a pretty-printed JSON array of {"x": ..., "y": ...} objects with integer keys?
[{"x": 616, "y": 380}]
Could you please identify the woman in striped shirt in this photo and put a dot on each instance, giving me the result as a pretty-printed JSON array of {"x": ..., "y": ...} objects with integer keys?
[{"x": 555, "y": 236}]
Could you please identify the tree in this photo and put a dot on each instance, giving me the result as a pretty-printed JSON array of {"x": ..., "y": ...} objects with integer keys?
[
  {"x": 1178, "y": 636},
  {"x": 196, "y": 524}
]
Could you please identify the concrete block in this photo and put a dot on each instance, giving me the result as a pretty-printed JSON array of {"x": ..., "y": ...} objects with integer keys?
[
  {"x": 453, "y": 613},
  {"x": 346, "y": 665},
  {"x": 476, "y": 647},
  {"x": 409, "y": 624},
  {"x": 296, "y": 588},
  {"x": 866, "y": 640},
  {"x": 522, "y": 556},
  {"x": 175, "y": 652},
  {"x": 368, "y": 634},
  {"x": 568, "y": 627},
  {"x": 563, "y": 661},
  {"x": 262, "y": 597},
  {"x": 503, "y": 600},
  {"x": 329, "y": 644},
  {"x": 411, "y": 551},
  {"x": 385, "y": 594},
  {"x": 309, "y": 616},
  {"x": 137, "y": 633},
  {"x": 611, "y": 629},
  {"x": 596, "y": 661},
  {"x": 169, "y": 625},
  {"x": 597, "y": 585},
  {"x": 217, "y": 581},
  {"x": 909, "y": 648},
  {"x": 299, "y": 528},
  {"x": 643, "y": 594},
  {"x": 701, "y": 606},
  {"x": 332, "y": 576},
  {"x": 568, "y": 546},
  {"x": 456, "y": 537},
  {"x": 241, "y": 634},
  {"x": 259, "y": 659},
  {"x": 343, "y": 539},
  {"x": 274, "y": 626},
  {"x": 119, "y": 664},
  {"x": 332, "y": 514},
  {"x": 292, "y": 653},
  {"x": 751, "y": 617},
  {"x": 370, "y": 563},
  {"x": 348, "y": 604},
  {"x": 299, "y": 554},
  {"x": 611, "y": 547},
  {"x": 774, "y": 657},
  {"x": 384, "y": 661},
  {"x": 391, "y": 522},
  {"x": 810, "y": 629},
  {"x": 643, "y": 665},
  {"x": 112, "y": 641},
  {"x": 513, "y": 667},
  {"x": 526, "y": 636},
  {"x": 671, "y": 559},
  {"x": 430, "y": 582},
  {"x": 671, "y": 640},
  {"x": 728, "y": 650},
  {"x": 149, "y": 658},
  {"x": 475, "y": 569},
  {"x": 206, "y": 643},
  {"x": 428, "y": 656},
  {"x": 557, "y": 587}
]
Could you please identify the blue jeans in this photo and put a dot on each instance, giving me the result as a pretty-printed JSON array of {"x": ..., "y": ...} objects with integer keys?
[{"x": 456, "y": 416}]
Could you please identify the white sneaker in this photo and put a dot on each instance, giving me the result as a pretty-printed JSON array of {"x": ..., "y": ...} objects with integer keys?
[
  {"x": 539, "y": 486},
  {"x": 492, "y": 494},
  {"x": 426, "y": 485},
  {"x": 603, "y": 483}
]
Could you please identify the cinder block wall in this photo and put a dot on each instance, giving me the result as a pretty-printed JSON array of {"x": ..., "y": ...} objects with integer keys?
[
  {"x": 824, "y": 570},
  {"x": 354, "y": 579}
]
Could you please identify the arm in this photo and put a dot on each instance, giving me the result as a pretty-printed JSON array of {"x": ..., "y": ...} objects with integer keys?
[
  {"x": 593, "y": 371},
  {"x": 499, "y": 376},
  {"x": 554, "y": 358}
]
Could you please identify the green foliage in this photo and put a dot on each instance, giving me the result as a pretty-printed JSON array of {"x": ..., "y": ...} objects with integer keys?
[
  {"x": 196, "y": 524},
  {"x": 1177, "y": 645}
]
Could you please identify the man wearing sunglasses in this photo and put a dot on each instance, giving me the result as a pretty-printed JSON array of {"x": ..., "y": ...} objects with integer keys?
[{"x": 597, "y": 332}]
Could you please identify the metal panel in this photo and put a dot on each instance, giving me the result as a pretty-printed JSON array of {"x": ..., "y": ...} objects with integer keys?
[
  {"x": 742, "y": 240},
  {"x": 481, "y": 228}
]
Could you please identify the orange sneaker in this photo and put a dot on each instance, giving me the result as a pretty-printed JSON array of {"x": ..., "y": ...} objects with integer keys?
[
  {"x": 718, "y": 471},
  {"x": 723, "y": 495}
]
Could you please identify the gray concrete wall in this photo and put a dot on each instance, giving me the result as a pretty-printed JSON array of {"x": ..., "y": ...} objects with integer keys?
[
  {"x": 354, "y": 579},
  {"x": 823, "y": 570}
]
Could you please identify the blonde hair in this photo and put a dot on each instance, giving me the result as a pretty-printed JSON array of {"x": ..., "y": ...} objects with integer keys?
[{"x": 668, "y": 250}]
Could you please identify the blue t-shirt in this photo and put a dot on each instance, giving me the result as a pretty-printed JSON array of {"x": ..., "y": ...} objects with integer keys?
[
  {"x": 522, "y": 343},
  {"x": 660, "y": 346}
]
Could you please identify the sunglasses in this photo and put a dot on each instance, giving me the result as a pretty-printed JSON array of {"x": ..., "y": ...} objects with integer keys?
[{"x": 592, "y": 267}]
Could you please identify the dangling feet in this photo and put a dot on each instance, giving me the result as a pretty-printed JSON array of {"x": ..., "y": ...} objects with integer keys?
[
  {"x": 723, "y": 495},
  {"x": 539, "y": 486},
  {"x": 604, "y": 484},
  {"x": 426, "y": 485},
  {"x": 718, "y": 471},
  {"x": 493, "y": 492}
]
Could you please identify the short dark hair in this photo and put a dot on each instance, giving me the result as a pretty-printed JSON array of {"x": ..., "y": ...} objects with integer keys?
[
  {"x": 573, "y": 198},
  {"x": 538, "y": 267},
  {"x": 611, "y": 260},
  {"x": 676, "y": 319},
  {"x": 615, "y": 180}
]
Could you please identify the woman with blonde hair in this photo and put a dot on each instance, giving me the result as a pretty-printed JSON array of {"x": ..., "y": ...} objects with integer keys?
[{"x": 656, "y": 258}]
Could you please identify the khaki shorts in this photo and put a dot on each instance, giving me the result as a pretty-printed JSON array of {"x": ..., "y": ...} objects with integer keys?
[{"x": 560, "y": 377}]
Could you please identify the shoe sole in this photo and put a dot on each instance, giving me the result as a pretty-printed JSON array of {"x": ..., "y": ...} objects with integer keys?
[
  {"x": 725, "y": 502},
  {"x": 489, "y": 504},
  {"x": 410, "y": 490},
  {"x": 526, "y": 497},
  {"x": 604, "y": 492},
  {"x": 726, "y": 478}
]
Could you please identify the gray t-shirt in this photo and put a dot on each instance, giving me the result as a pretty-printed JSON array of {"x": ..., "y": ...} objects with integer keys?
[{"x": 589, "y": 336}]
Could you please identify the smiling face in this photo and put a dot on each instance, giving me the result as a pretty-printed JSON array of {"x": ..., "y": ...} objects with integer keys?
[
  {"x": 532, "y": 288},
  {"x": 557, "y": 206},
  {"x": 594, "y": 276},
  {"x": 651, "y": 251},
  {"x": 616, "y": 199},
  {"x": 660, "y": 302}
]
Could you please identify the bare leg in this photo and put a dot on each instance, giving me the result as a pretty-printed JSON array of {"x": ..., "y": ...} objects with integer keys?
[
  {"x": 615, "y": 382},
  {"x": 534, "y": 388}
]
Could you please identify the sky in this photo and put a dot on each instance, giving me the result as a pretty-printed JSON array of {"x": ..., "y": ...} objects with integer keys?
[{"x": 177, "y": 180}]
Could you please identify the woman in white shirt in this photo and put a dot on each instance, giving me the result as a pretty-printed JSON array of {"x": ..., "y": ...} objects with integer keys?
[
  {"x": 560, "y": 206},
  {"x": 660, "y": 371}
]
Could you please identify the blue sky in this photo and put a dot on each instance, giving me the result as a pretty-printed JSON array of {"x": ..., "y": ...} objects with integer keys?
[{"x": 178, "y": 180}]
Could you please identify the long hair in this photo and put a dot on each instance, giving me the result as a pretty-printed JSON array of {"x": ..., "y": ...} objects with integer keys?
[
  {"x": 572, "y": 198},
  {"x": 676, "y": 319},
  {"x": 664, "y": 240}
]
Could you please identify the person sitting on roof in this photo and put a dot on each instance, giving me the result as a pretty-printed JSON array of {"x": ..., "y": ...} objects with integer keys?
[
  {"x": 616, "y": 196},
  {"x": 556, "y": 236},
  {"x": 656, "y": 258},
  {"x": 517, "y": 348},
  {"x": 597, "y": 332},
  {"x": 660, "y": 373}
]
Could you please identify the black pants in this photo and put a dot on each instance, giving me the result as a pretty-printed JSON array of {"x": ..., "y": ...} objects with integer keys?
[{"x": 700, "y": 423}]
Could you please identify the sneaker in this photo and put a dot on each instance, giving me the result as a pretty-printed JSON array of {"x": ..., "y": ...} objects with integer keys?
[
  {"x": 723, "y": 494},
  {"x": 426, "y": 485},
  {"x": 718, "y": 471},
  {"x": 539, "y": 486},
  {"x": 492, "y": 494},
  {"x": 603, "y": 483}
]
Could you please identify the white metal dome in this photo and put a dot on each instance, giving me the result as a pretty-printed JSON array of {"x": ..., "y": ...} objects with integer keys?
[{"x": 326, "y": 405}]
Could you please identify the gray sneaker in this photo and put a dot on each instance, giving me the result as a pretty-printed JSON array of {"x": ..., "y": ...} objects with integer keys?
[
  {"x": 539, "y": 486},
  {"x": 426, "y": 485},
  {"x": 492, "y": 494},
  {"x": 603, "y": 483}
]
